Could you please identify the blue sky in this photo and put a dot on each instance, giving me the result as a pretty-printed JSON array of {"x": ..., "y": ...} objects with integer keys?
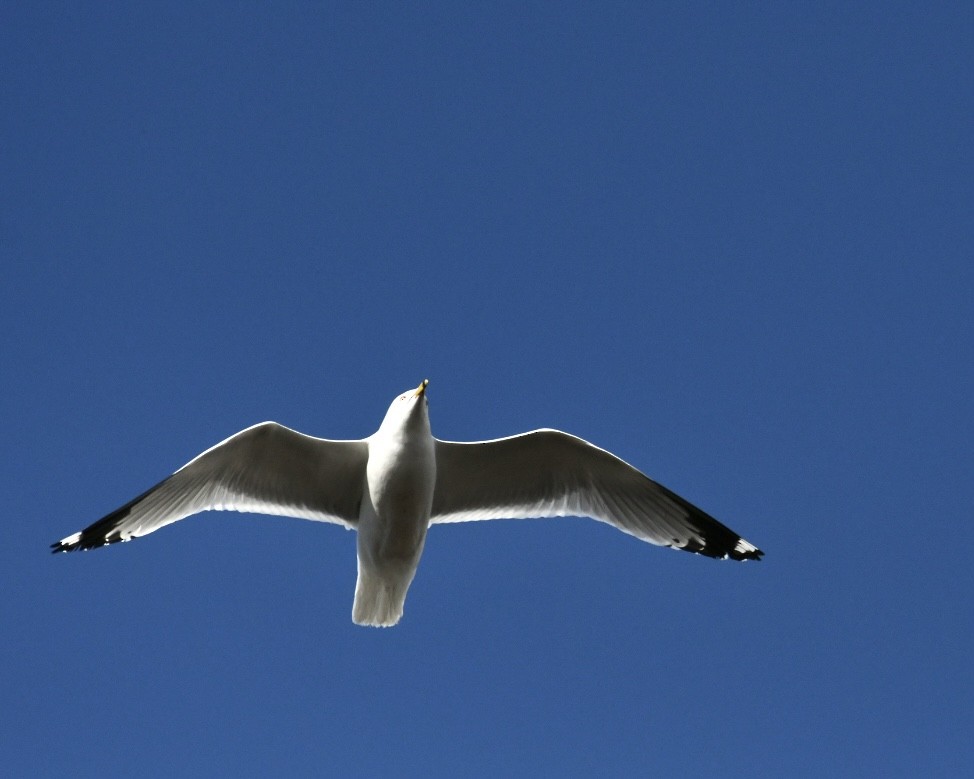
[{"x": 730, "y": 243}]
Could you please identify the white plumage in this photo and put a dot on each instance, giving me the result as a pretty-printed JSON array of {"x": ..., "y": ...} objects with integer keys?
[{"x": 393, "y": 485}]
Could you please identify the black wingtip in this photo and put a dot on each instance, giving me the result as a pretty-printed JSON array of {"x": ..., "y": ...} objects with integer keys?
[
  {"x": 714, "y": 539},
  {"x": 721, "y": 546},
  {"x": 103, "y": 532},
  {"x": 84, "y": 541},
  {"x": 743, "y": 551},
  {"x": 69, "y": 544},
  {"x": 749, "y": 554}
]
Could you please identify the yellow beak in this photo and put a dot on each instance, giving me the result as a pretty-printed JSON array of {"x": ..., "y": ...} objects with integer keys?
[{"x": 422, "y": 388}]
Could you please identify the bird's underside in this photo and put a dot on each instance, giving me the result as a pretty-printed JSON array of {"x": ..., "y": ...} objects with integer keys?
[{"x": 271, "y": 469}]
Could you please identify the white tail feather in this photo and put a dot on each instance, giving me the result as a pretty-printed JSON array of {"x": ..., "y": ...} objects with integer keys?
[{"x": 379, "y": 599}]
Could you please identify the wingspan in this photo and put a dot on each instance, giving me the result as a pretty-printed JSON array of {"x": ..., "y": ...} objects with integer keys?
[
  {"x": 547, "y": 473},
  {"x": 267, "y": 468}
]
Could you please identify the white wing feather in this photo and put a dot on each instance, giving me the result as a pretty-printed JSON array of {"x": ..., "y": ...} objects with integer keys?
[
  {"x": 267, "y": 468},
  {"x": 547, "y": 473}
]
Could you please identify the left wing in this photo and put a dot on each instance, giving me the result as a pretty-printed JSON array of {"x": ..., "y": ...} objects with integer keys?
[
  {"x": 267, "y": 468},
  {"x": 547, "y": 473}
]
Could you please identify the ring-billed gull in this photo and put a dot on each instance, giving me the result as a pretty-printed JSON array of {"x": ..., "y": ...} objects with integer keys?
[{"x": 393, "y": 485}]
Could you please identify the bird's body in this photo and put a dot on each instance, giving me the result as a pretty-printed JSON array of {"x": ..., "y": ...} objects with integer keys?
[
  {"x": 395, "y": 513},
  {"x": 392, "y": 486}
]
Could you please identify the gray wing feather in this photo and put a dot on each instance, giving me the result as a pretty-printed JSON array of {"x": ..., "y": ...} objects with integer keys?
[
  {"x": 547, "y": 473},
  {"x": 267, "y": 468}
]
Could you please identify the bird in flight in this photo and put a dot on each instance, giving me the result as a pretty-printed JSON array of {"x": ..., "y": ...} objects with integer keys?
[{"x": 391, "y": 486}]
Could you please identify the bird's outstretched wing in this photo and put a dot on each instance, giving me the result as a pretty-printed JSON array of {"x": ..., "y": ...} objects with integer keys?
[
  {"x": 267, "y": 468},
  {"x": 547, "y": 473}
]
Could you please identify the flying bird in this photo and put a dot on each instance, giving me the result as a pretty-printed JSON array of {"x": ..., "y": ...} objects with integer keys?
[{"x": 391, "y": 486}]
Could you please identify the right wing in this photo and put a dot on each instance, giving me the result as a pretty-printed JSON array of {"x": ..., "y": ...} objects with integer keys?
[
  {"x": 267, "y": 468},
  {"x": 547, "y": 473}
]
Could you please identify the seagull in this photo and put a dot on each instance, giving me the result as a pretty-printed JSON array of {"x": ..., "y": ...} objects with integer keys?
[{"x": 391, "y": 486}]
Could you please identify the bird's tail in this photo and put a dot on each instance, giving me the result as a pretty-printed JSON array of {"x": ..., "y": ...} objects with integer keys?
[{"x": 379, "y": 598}]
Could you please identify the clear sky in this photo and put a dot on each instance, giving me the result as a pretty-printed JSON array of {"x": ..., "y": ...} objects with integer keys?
[{"x": 729, "y": 242}]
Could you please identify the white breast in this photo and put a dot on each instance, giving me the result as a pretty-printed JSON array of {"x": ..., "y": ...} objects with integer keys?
[{"x": 401, "y": 476}]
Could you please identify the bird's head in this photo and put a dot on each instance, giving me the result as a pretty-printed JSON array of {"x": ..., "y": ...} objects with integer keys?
[{"x": 408, "y": 410}]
